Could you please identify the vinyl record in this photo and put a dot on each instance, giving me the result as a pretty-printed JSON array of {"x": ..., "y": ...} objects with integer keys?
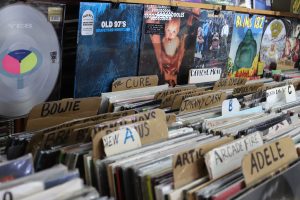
[{"x": 29, "y": 59}]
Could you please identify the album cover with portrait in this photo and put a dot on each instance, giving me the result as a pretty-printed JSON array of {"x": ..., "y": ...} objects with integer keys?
[
  {"x": 280, "y": 44},
  {"x": 213, "y": 39},
  {"x": 168, "y": 43}
]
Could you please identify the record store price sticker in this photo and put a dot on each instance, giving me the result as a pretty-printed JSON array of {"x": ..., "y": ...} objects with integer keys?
[
  {"x": 120, "y": 141},
  {"x": 230, "y": 106}
]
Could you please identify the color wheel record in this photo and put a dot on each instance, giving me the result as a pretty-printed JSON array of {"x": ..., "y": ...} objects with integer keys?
[
  {"x": 29, "y": 59},
  {"x": 19, "y": 62}
]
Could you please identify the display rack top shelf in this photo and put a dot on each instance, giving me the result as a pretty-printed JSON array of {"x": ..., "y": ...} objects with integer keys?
[{"x": 209, "y": 7}]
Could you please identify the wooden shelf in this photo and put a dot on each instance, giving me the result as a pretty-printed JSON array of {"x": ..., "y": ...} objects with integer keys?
[{"x": 209, "y": 7}]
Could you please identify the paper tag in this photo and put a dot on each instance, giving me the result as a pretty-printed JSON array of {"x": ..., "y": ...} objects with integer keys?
[
  {"x": 171, "y": 118},
  {"x": 290, "y": 94},
  {"x": 246, "y": 89},
  {"x": 129, "y": 83},
  {"x": 228, "y": 83},
  {"x": 57, "y": 112},
  {"x": 55, "y": 14},
  {"x": 262, "y": 162},
  {"x": 125, "y": 139},
  {"x": 164, "y": 93},
  {"x": 283, "y": 94},
  {"x": 202, "y": 102},
  {"x": 168, "y": 100},
  {"x": 181, "y": 97},
  {"x": 230, "y": 106},
  {"x": 189, "y": 165},
  {"x": 227, "y": 158},
  {"x": 204, "y": 75},
  {"x": 87, "y": 24}
]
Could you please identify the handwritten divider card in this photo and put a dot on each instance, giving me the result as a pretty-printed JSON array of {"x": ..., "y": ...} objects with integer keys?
[
  {"x": 57, "y": 112},
  {"x": 222, "y": 160},
  {"x": 229, "y": 83},
  {"x": 267, "y": 159},
  {"x": 164, "y": 93},
  {"x": 189, "y": 165},
  {"x": 129, "y": 83}
]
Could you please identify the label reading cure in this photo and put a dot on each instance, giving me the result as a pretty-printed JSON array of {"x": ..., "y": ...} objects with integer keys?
[
  {"x": 129, "y": 83},
  {"x": 263, "y": 161},
  {"x": 204, "y": 75},
  {"x": 121, "y": 141}
]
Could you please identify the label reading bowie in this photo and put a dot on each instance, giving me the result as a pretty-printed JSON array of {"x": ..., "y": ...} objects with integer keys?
[
  {"x": 227, "y": 158},
  {"x": 129, "y": 83},
  {"x": 263, "y": 161},
  {"x": 228, "y": 83},
  {"x": 202, "y": 102},
  {"x": 204, "y": 75},
  {"x": 121, "y": 141}
]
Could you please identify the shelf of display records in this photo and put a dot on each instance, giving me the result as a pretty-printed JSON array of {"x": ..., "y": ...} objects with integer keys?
[{"x": 174, "y": 3}]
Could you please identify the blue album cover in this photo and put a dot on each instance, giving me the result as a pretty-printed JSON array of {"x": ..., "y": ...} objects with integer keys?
[
  {"x": 108, "y": 46},
  {"x": 213, "y": 39},
  {"x": 245, "y": 45}
]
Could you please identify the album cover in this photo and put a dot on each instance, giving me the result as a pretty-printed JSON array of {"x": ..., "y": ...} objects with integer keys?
[
  {"x": 280, "y": 44},
  {"x": 108, "y": 46},
  {"x": 245, "y": 45},
  {"x": 168, "y": 43},
  {"x": 244, "y": 3},
  {"x": 55, "y": 13},
  {"x": 282, "y": 186},
  {"x": 18, "y": 168},
  {"x": 221, "y": 2},
  {"x": 213, "y": 39},
  {"x": 262, "y": 4}
]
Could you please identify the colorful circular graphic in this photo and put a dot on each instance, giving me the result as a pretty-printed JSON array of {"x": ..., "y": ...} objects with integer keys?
[{"x": 19, "y": 62}]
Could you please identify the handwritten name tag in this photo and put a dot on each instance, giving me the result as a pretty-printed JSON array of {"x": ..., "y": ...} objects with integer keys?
[
  {"x": 227, "y": 158},
  {"x": 135, "y": 82},
  {"x": 125, "y": 139},
  {"x": 202, "y": 102},
  {"x": 228, "y": 83},
  {"x": 204, "y": 75},
  {"x": 263, "y": 161}
]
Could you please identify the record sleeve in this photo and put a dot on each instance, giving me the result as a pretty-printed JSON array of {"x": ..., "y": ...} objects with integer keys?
[
  {"x": 30, "y": 59},
  {"x": 280, "y": 46},
  {"x": 108, "y": 46},
  {"x": 168, "y": 43},
  {"x": 245, "y": 45},
  {"x": 213, "y": 40}
]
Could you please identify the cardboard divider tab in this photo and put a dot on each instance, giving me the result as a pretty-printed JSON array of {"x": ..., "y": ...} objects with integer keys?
[
  {"x": 267, "y": 159},
  {"x": 57, "y": 112},
  {"x": 204, "y": 75},
  {"x": 164, "y": 93},
  {"x": 63, "y": 130},
  {"x": 246, "y": 89},
  {"x": 150, "y": 131},
  {"x": 134, "y": 82},
  {"x": 181, "y": 97},
  {"x": 168, "y": 100},
  {"x": 171, "y": 118},
  {"x": 189, "y": 165},
  {"x": 98, "y": 131},
  {"x": 202, "y": 102},
  {"x": 229, "y": 83}
]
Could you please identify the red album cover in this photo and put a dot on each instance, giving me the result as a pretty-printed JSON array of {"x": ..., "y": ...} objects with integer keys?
[{"x": 229, "y": 191}]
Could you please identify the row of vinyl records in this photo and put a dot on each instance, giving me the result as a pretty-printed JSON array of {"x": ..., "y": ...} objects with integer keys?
[
  {"x": 234, "y": 139},
  {"x": 171, "y": 41}
]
